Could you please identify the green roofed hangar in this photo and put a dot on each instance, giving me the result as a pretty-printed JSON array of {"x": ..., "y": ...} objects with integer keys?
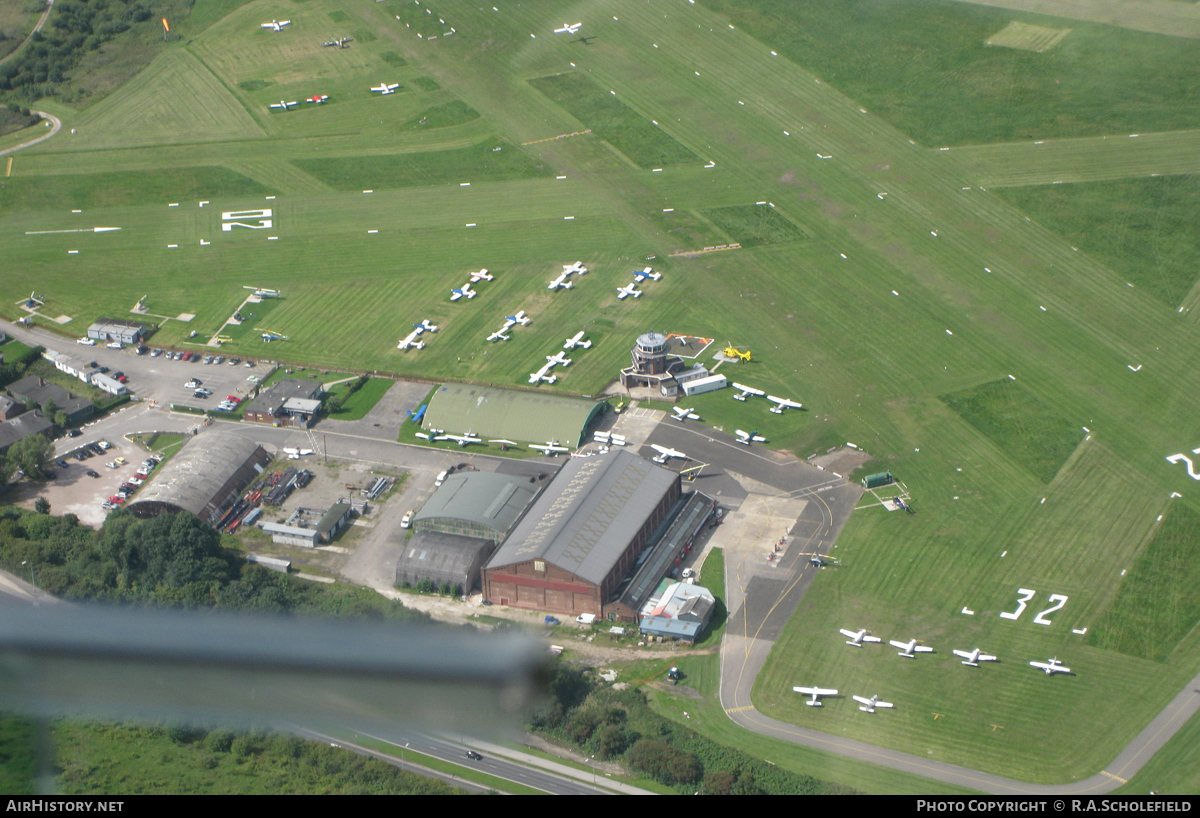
[{"x": 512, "y": 414}]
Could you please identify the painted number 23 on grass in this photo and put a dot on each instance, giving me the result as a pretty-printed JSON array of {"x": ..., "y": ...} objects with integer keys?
[
  {"x": 1024, "y": 595},
  {"x": 232, "y": 219}
]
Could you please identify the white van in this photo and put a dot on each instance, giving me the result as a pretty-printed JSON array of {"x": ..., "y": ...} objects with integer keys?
[
  {"x": 441, "y": 478},
  {"x": 586, "y": 619},
  {"x": 407, "y": 519}
]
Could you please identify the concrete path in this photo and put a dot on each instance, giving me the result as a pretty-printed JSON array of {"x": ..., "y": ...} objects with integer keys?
[{"x": 55, "y": 127}]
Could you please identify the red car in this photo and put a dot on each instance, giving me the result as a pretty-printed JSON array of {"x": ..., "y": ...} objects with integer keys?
[
  {"x": 116, "y": 499},
  {"x": 233, "y": 399}
]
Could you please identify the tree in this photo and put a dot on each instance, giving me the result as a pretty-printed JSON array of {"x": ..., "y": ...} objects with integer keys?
[
  {"x": 41, "y": 505},
  {"x": 49, "y": 408},
  {"x": 60, "y": 419},
  {"x": 31, "y": 454}
]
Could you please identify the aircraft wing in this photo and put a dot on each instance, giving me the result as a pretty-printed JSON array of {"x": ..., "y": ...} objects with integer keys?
[
  {"x": 851, "y": 634},
  {"x": 884, "y": 704},
  {"x": 922, "y": 649},
  {"x": 871, "y": 639},
  {"x": 901, "y": 645},
  {"x": 862, "y": 700},
  {"x": 984, "y": 657},
  {"x": 963, "y": 653},
  {"x": 749, "y": 390}
]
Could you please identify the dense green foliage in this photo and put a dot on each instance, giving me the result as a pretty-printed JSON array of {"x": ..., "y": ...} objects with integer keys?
[
  {"x": 619, "y": 724},
  {"x": 126, "y": 759},
  {"x": 17, "y": 359},
  {"x": 168, "y": 561},
  {"x": 645, "y": 144},
  {"x": 1021, "y": 425},
  {"x": 17, "y": 755},
  {"x": 752, "y": 225},
  {"x": 1159, "y": 600},
  {"x": 926, "y": 68},
  {"x": 1144, "y": 229},
  {"x": 487, "y": 161},
  {"x": 75, "y": 27}
]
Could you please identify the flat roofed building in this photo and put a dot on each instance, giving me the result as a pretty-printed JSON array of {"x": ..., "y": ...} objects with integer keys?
[
  {"x": 442, "y": 558},
  {"x": 207, "y": 475},
  {"x": 271, "y": 405},
  {"x": 511, "y": 414},
  {"x": 574, "y": 547},
  {"x": 107, "y": 329},
  {"x": 476, "y": 504}
]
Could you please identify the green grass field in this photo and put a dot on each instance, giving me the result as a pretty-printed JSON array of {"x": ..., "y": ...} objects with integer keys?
[{"x": 911, "y": 285}]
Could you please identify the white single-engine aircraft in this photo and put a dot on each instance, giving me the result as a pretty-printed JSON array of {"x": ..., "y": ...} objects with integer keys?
[
  {"x": 909, "y": 650},
  {"x": 276, "y": 25},
  {"x": 499, "y": 335},
  {"x": 464, "y": 440},
  {"x": 974, "y": 657},
  {"x": 647, "y": 273},
  {"x": 317, "y": 98},
  {"x": 481, "y": 275},
  {"x": 665, "y": 454},
  {"x": 550, "y": 448},
  {"x": 520, "y": 318},
  {"x": 682, "y": 414},
  {"x": 425, "y": 326},
  {"x": 558, "y": 358},
  {"x": 561, "y": 283},
  {"x": 630, "y": 289},
  {"x": 465, "y": 291},
  {"x": 576, "y": 340},
  {"x": 815, "y": 693},
  {"x": 386, "y": 88},
  {"x": 747, "y": 391},
  {"x": 858, "y": 637},
  {"x": 339, "y": 42},
  {"x": 746, "y": 438},
  {"x": 1051, "y": 667},
  {"x": 283, "y": 106},
  {"x": 574, "y": 267},
  {"x": 296, "y": 453},
  {"x": 568, "y": 28},
  {"x": 870, "y": 704},
  {"x": 783, "y": 403}
]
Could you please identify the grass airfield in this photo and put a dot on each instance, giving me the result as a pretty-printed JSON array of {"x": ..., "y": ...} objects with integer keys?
[{"x": 888, "y": 288}]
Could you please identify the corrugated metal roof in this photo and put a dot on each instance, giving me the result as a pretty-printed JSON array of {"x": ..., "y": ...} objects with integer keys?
[
  {"x": 586, "y": 517},
  {"x": 511, "y": 414},
  {"x": 191, "y": 478},
  {"x": 493, "y": 501}
]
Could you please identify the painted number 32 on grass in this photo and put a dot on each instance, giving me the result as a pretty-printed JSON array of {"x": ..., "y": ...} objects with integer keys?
[
  {"x": 232, "y": 219},
  {"x": 1026, "y": 594}
]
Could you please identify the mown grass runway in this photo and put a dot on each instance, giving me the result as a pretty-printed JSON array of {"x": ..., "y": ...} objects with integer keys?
[{"x": 882, "y": 283}]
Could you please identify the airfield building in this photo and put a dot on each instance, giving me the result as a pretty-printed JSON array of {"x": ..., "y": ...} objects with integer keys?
[
  {"x": 206, "y": 477},
  {"x": 572, "y": 551},
  {"x": 108, "y": 330},
  {"x": 681, "y": 613},
  {"x": 442, "y": 559},
  {"x": 512, "y": 414},
  {"x": 34, "y": 391},
  {"x": 290, "y": 402},
  {"x": 655, "y": 368},
  {"x": 21, "y": 427}
]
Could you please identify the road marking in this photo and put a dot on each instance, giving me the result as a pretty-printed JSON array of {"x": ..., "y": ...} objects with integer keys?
[
  {"x": 739, "y": 709},
  {"x": 1113, "y": 777}
]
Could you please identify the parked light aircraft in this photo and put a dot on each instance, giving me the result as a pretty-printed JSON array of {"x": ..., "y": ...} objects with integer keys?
[
  {"x": 283, "y": 105},
  {"x": 425, "y": 326},
  {"x": 783, "y": 403},
  {"x": 269, "y": 336},
  {"x": 520, "y": 318},
  {"x": 629, "y": 289},
  {"x": 464, "y": 439},
  {"x": 576, "y": 340},
  {"x": 504, "y": 444},
  {"x": 647, "y": 273},
  {"x": 464, "y": 291},
  {"x": 665, "y": 454},
  {"x": 541, "y": 374},
  {"x": 974, "y": 657},
  {"x": 481, "y": 275},
  {"x": 558, "y": 358},
  {"x": 386, "y": 88},
  {"x": 747, "y": 391},
  {"x": 550, "y": 449},
  {"x": 568, "y": 28},
  {"x": 575, "y": 267},
  {"x": 499, "y": 335},
  {"x": 909, "y": 650},
  {"x": 317, "y": 98},
  {"x": 561, "y": 283},
  {"x": 276, "y": 25},
  {"x": 815, "y": 693},
  {"x": 682, "y": 414},
  {"x": 870, "y": 704},
  {"x": 747, "y": 438},
  {"x": 410, "y": 340},
  {"x": 1051, "y": 667},
  {"x": 858, "y": 637},
  {"x": 340, "y": 42}
]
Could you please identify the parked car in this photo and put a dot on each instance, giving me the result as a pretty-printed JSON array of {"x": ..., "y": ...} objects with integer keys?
[
  {"x": 74, "y": 433},
  {"x": 63, "y": 464},
  {"x": 406, "y": 520},
  {"x": 87, "y": 342},
  {"x": 115, "y": 345},
  {"x": 551, "y": 620},
  {"x": 91, "y": 473},
  {"x": 154, "y": 353},
  {"x": 103, "y": 369},
  {"x": 234, "y": 361},
  {"x": 233, "y": 399}
]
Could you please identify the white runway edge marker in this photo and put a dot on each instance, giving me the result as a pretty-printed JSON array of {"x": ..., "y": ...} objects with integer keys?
[
  {"x": 668, "y": 210},
  {"x": 472, "y": 224},
  {"x": 72, "y": 252},
  {"x": 948, "y": 332},
  {"x": 203, "y": 203},
  {"x": 269, "y": 198},
  {"x": 372, "y": 231},
  {"x": 272, "y": 238},
  {"x": 76, "y": 211},
  {"x": 1011, "y": 378},
  {"x": 172, "y": 246},
  {"x": 368, "y": 191},
  {"x": 464, "y": 184},
  {"x": 560, "y": 177},
  {"x": 968, "y": 611},
  {"x": 568, "y": 218}
]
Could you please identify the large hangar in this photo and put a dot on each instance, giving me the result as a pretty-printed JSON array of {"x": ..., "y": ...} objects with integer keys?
[
  {"x": 484, "y": 505},
  {"x": 512, "y": 414},
  {"x": 205, "y": 477},
  {"x": 574, "y": 548}
]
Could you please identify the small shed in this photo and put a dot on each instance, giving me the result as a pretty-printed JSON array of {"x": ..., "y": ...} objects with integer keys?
[{"x": 337, "y": 518}]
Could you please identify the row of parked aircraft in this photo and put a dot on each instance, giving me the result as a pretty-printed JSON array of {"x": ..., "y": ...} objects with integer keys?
[
  {"x": 465, "y": 290},
  {"x": 815, "y": 694},
  {"x": 510, "y": 321},
  {"x": 551, "y": 362},
  {"x": 639, "y": 276},
  {"x": 780, "y": 403},
  {"x": 561, "y": 282},
  {"x": 418, "y": 330},
  {"x": 971, "y": 658},
  {"x": 287, "y": 106}
]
